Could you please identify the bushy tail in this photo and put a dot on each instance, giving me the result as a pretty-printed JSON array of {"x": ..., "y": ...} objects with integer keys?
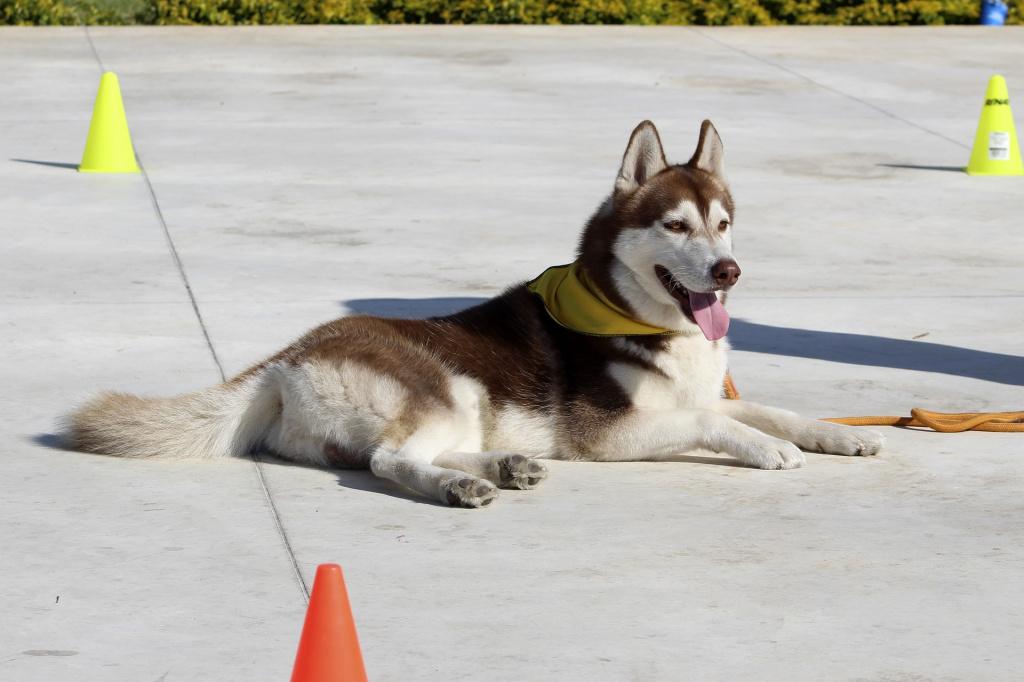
[{"x": 222, "y": 421}]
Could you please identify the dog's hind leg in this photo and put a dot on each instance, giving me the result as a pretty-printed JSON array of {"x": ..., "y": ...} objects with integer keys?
[
  {"x": 412, "y": 464},
  {"x": 504, "y": 469},
  {"x": 807, "y": 434},
  {"x": 450, "y": 486}
]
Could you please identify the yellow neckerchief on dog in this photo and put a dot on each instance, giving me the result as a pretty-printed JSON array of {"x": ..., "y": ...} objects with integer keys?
[{"x": 575, "y": 302}]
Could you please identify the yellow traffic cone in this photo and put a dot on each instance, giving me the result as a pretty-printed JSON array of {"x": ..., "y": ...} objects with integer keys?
[
  {"x": 108, "y": 149},
  {"x": 995, "y": 145}
]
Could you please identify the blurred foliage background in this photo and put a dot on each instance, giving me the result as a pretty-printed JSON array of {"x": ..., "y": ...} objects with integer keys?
[{"x": 701, "y": 12}]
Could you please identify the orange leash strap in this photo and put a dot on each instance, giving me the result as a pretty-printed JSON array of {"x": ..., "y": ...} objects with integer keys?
[
  {"x": 730, "y": 388},
  {"x": 943, "y": 422}
]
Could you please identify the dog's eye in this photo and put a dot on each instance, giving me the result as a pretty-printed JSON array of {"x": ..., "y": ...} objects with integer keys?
[
  {"x": 676, "y": 226},
  {"x": 723, "y": 226}
]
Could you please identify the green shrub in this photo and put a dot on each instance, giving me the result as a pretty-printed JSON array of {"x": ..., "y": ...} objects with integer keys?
[
  {"x": 701, "y": 12},
  {"x": 223, "y": 12},
  {"x": 46, "y": 13},
  {"x": 70, "y": 12}
]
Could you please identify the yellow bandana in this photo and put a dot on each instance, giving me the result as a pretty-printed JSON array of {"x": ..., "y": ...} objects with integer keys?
[{"x": 574, "y": 301}]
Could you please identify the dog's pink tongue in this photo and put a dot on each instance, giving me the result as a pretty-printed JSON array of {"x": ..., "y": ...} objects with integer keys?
[{"x": 710, "y": 315}]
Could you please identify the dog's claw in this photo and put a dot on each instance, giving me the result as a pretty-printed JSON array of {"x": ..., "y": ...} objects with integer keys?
[
  {"x": 838, "y": 439},
  {"x": 773, "y": 453},
  {"x": 469, "y": 492},
  {"x": 521, "y": 472}
]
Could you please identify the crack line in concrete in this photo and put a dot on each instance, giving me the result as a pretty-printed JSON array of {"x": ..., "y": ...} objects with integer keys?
[
  {"x": 92, "y": 46},
  {"x": 280, "y": 527},
  {"x": 257, "y": 464},
  {"x": 823, "y": 86}
]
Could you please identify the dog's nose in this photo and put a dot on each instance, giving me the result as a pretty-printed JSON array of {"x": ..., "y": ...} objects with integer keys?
[{"x": 725, "y": 272}]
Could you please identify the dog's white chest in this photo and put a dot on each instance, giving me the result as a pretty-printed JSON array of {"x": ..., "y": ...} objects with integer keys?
[{"x": 689, "y": 374}]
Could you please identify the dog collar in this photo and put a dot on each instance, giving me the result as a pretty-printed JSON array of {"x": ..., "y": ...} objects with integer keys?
[{"x": 575, "y": 302}]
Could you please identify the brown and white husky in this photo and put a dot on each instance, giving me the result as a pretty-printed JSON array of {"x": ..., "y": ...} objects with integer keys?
[{"x": 456, "y": 407}]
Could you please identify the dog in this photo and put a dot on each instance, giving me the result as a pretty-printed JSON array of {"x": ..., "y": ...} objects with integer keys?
[{"x": 618, "y": 356}]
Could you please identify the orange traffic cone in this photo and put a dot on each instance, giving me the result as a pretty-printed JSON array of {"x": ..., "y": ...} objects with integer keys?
[{"x": 329, "y": 648}]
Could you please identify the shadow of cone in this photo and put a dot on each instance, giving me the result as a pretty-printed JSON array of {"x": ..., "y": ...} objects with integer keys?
[{"x": 329, "y": 648}]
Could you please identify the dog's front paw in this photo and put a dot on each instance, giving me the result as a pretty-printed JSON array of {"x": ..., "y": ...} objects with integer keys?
[
  {"x": 772, "y": 453},
  {"x": 468, "y": 492},
  {"x": 521, "y": 472},
  {"x": 838, "y": 439}
]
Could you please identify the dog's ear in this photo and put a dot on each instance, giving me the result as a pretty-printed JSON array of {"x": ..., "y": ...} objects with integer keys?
[
  {"x": 710, "y": 154},
  {"x": 644, "y": 158}
]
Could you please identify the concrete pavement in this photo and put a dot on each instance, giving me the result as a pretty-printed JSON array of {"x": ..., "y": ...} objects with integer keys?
[{"x": 302, "y": 173}]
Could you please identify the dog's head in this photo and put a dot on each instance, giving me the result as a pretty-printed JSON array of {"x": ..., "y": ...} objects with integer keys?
[{"x": 661, "y": 244}]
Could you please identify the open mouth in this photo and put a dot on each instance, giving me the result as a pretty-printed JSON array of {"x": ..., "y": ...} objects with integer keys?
[
  {"x": 676, "y": 290},
  {"x": 703, "y": 309}
]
